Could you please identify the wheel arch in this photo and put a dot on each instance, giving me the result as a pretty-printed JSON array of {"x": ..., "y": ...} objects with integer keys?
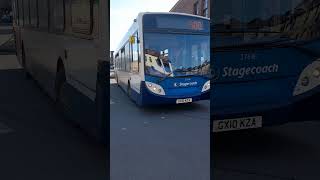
[
  {"x": 60, "y": 65},
  {"x": 23, "y": 53},
  {"x": 60, "y": 77}
]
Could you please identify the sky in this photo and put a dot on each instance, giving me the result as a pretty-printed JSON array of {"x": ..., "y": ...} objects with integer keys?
[{"x": 123, "y": 12}]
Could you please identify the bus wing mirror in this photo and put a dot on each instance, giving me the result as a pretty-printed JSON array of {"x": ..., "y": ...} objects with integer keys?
[{"x": 132, "y": 39}]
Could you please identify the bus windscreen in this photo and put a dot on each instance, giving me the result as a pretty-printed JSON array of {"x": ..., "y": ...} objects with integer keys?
[{"x": 246, "y": 21}]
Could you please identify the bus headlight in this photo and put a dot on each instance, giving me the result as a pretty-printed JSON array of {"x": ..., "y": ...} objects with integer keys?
[
  {"x": 155, "y": 88},
  {"x": 309, "y": 78},
  {"x": 206, "y": 86}
]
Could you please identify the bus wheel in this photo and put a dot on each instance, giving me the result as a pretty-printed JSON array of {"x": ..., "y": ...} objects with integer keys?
[{"x": 24, "y": 65}]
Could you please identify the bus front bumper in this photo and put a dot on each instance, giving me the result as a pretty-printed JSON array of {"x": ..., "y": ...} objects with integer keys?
[
  {"x": 300, "y": 108},
  {"x": 149, "y": 98}
]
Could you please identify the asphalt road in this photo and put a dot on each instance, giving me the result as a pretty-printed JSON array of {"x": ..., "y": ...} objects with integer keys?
[
  {"x": 287, "y": 152},
  {"x": 38, "y": 142},
  {"x": 164, "y": 142},
  {"x": 159, "y": 143}
]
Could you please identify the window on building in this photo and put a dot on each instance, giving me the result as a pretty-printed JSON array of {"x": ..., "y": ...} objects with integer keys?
[{"x": 196, "y": 8}]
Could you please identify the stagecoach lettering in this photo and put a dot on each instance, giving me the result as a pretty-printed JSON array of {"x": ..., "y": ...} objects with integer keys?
[{"x": 248, "y": 71}]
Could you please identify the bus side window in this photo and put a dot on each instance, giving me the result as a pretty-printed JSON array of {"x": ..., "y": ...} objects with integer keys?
[
  {"x": 95, "y": 18},
  {"x": 26, "y": 12},
  {"x": 43, "y": 14},
  {"x": 16, "y": 12},
  {"x": 135, "y": 55},
  {"x": 57, "y": 20},
  {"x": 117, "y": 61},
  {"x": 81, "y": 13},
  {"x": 127, "y": 57},
  {"x": 21, "y": 14},
  {"x": 34, "y": 13},
  {"x": 122, "y": 60}
]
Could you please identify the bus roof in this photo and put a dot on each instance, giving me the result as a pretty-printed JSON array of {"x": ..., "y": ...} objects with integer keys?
[
  {"x": 173, "y": 13},
  {"x": 135, "y": 25}
]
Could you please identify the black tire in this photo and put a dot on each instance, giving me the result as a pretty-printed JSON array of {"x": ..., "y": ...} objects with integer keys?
[{"x": 24, "y": 66}]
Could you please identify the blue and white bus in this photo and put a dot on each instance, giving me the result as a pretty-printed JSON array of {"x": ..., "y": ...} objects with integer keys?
[
  {"x": 165, "y": 59},
  {"x": 63, "y": 45},
  {"x": 266, "y": 57}
]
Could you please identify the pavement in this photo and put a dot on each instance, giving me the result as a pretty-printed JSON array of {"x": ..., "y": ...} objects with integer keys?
[
  {"x": 37, "y": 141},
  {"x": 164, "y": 142}
]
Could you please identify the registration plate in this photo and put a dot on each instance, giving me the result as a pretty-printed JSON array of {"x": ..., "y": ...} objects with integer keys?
[
  {"x": 237, "y": 124},
  {"x": 182, "y": 101}
]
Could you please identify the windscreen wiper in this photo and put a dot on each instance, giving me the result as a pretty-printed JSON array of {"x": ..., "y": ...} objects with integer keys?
[{"x": 162, "y": 79}]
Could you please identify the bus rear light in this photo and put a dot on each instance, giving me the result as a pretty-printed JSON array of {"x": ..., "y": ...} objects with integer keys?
[
  {"x": 155, "y": 88},
  {"x": 206, "y": 86},
  {"x": 309, "y": 78}
]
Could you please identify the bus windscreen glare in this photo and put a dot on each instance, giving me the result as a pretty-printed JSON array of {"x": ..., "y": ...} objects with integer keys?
[
  {"x": 167, "y": 61},
  {"x": 266, "y": 62}
]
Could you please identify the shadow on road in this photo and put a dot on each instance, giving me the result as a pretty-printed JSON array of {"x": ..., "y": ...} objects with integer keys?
[
  {"x": 260, "y": 142},
  {"x": 42, "y": 144},
  {"x": 282, "y": 152}
]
